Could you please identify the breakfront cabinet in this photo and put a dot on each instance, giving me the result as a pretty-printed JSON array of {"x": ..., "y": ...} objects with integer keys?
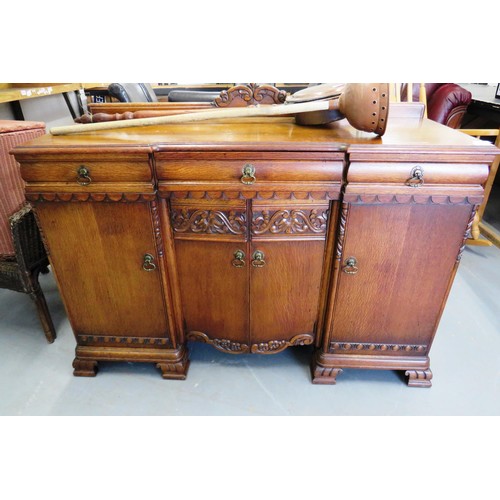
[{"x": 255, "y": 236}]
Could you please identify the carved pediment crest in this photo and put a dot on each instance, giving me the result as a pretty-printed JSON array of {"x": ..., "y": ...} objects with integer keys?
[{"x": 250, "y": 94}]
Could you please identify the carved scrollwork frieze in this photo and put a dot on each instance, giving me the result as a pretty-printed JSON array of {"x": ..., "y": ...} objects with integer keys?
[
  {"x": 301, "y": 221},
  {"x": 186, "y": 220}
]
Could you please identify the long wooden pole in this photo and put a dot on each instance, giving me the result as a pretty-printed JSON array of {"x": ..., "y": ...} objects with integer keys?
[{"x": 268, "y": 110}]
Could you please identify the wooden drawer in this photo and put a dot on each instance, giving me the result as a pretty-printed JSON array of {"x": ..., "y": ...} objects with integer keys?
[
  {"x": 264, "y": 171},
  {"x": 72, "y": 172},
  {"x": 417, "y": 174}
]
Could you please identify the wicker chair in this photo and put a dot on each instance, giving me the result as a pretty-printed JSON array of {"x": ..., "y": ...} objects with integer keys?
[{"x": 22, "y": 254}]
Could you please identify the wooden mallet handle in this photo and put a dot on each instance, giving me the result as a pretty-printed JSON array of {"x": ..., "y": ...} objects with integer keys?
[{"x": 268, "y": 110}]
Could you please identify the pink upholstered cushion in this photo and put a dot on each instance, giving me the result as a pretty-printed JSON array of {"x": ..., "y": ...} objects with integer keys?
[
  {"x": 12, "y": 133},
  {"x": 19, "y": 125}
]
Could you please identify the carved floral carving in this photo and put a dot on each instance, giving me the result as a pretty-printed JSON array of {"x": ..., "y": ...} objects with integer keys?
[
  {"x": 275, "y": 346},
  {"x": 223, "y": 345},
  {"x": 290, "y": 221},
  {"x": 250, "y": 95},
  {"x": 270, "y": 347},
  {"x": 208, "y": 221}
]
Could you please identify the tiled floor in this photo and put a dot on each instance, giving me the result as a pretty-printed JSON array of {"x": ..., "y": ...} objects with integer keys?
[{"x": 36, "y": 378}]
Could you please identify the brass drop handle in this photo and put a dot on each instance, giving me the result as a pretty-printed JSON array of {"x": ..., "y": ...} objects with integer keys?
[
  {"x": 417, "y": 177},
  {"x": 258, "y": 259},
  {"x": 148, "y": 262},
  {"x": 350, "y": 266},
  {"x": 239, "y": 259},
  {"x": 248, "y": 174},
  {"x": 83, "y": 176}
]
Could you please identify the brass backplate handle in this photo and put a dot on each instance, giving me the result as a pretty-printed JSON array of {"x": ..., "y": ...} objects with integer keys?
[
  {"x": 248, "y": 174},
  {"x": 83, "y": 176},
  {"x": 417, "y": 177},
  {"x": 350, "y": 266},
  {"x": 258, "y": 259},
  {"x": 239, "y": 259},
  {"x": 148, "y": 262}
]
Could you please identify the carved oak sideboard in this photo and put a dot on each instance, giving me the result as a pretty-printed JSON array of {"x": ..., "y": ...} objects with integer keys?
[{"x": 254, "y": 236}]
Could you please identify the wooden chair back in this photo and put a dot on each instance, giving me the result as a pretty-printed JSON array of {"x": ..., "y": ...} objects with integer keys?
[
  {"x": 478, "y": 226},
  {"x": 395, "y": 94}
]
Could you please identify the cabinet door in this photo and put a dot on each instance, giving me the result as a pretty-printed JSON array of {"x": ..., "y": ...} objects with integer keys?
[
  {"x": 391, "y": 297},
  {"x": 97, "y": 251},
  {"x": 284, "y": 292},
  {"x": 212, "y": 264},
  {"x": 287, "y": 254},
  {"x": 213, "y": 279}
]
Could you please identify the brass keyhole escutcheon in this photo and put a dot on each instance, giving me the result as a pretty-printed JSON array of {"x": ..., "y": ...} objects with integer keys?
[
  {"x": 248, "y": 174},
  {"x": 350, "y": 266},
  {"x": 239, "y": 258},
  {"x": 148, "y": 262},
  {"x": 258, "y": 259},
  {"x": 417, "y": 177},
  {"x": 83, "y": 176}
]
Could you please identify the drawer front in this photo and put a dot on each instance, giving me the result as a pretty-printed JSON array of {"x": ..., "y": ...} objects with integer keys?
[
  {"x": 86, "y": 173},
  {"x": 417, "y": 174},
  {"x": 249, "y": 172}
]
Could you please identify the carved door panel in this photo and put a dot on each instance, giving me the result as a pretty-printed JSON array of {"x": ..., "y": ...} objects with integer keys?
[
  {"x": 284, "y": 293},
  {"x": 111, "y": 288},
  {"x": 212, "y": 263},
  {"x": 396, "y": 269},
  {"x": 286, "y": 258}
]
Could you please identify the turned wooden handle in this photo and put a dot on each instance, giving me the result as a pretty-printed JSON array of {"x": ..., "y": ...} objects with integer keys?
[
  {"x": 129, "y": 115},
  {"x": 268, "y": 110}
]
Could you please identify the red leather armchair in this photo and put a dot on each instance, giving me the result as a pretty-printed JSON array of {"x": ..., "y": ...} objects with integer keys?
[{"x": 446, "y": 102}]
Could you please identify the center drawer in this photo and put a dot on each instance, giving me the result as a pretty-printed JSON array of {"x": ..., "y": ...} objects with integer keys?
[{"x": 249, "y": 171}]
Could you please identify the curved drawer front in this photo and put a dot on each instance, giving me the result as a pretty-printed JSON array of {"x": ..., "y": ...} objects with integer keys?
[
  {"x": 105, "y": 173},
  {"x": 417, "y": 174},
  {"x": 249, "y": 170},
  {"x": 97, "y": 171},
  {"x": 415, "y": 182}
]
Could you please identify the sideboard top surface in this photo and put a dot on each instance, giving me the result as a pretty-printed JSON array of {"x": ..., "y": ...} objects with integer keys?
[{"x": 271, "y": 134}]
